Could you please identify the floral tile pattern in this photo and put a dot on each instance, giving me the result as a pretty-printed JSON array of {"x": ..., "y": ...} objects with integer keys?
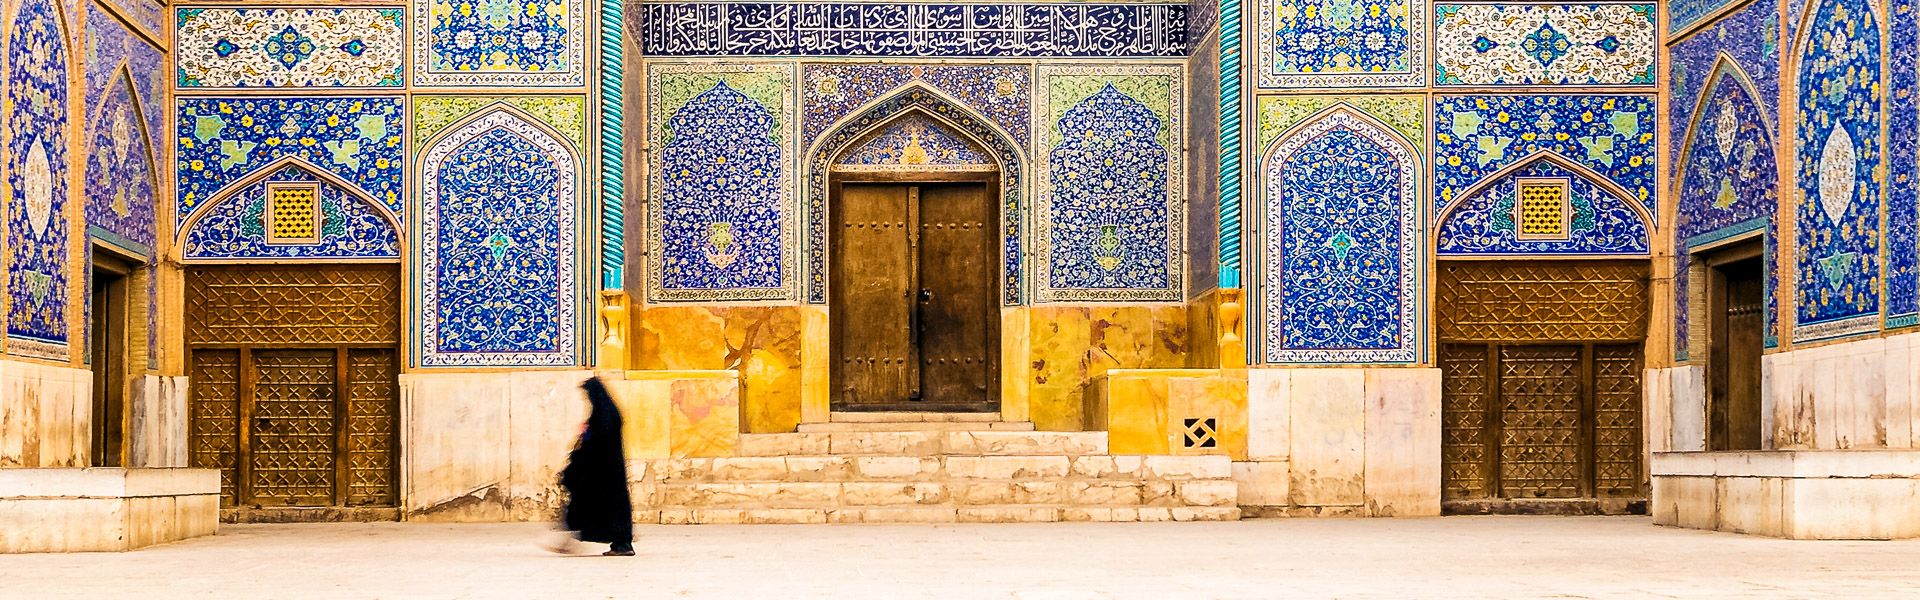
[
  {"x": 721, "y": 219},
  {"x": 1109, "y": 200},
  {"x": 290, "y": 47},
  {"x": 499, "y": 205},
  {"x": 1602, "y": 221},
  {"x": 125, "y": 83},
  {"x": 352, "y": 227},
  {"x": 918, "y": 143},
  {"x": 1341, "y": 43},
  {"x": 222, "y": 140},
  {"x": 1341, "y": 237},
  {"x": 1838, "y": 154},
  {"x": 1477, "y": 136},
  {"x": 1544, "y": 44},
  {"x": 499, "y": 42},
  {"x": 33, "y": 130}
]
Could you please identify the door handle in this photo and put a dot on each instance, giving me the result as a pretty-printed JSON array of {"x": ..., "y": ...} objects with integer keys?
[{"x": 926, "y": 295}]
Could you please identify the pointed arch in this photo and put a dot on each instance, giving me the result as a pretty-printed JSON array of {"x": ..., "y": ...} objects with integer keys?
[
  {"x": 1341, "y": 240},
  {"x": 722, "y": 227},
  {"x": 1559, "y": 160},
  {"x": 498, "y": 205},
  {"x": 940, "y": 147},
  {"x": 1723, "y": 66},
  {"x": 917, "y": 98},
  {"x": 1628, "y": 235},
  {"x": 231, "y": 227},
  {"x": 268, "y": 171},
  {"x": 123, "y": 195}
]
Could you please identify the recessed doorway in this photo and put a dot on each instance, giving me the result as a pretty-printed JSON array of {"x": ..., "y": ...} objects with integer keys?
[
  {"x": 915, "y": 322},
  {"x": 1736, "y": 325}
]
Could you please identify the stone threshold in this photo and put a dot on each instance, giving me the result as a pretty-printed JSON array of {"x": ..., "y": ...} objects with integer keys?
[
  {"x": 309, "y": 514},
  {"x": 933, "y": 514}
]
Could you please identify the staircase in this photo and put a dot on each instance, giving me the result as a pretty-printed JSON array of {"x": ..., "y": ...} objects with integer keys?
[{"x": 923, "y": 469}]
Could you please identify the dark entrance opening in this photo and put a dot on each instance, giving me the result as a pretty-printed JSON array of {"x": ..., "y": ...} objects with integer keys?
[
  {"x": 916, "y": 322},
  {"x": 107, "y": 353},
  {"x": 1736, "y": 325}
]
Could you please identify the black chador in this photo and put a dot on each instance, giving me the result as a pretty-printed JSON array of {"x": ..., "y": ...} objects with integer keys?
[{"x": 598, "y": 507}]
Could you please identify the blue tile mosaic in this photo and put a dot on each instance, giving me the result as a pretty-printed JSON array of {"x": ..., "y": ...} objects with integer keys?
[
  {"x": 35, "y": 136},
  {"x": 125, "y": 82},
  {"x": 1728, "y": 182},
  {"x": 1838, "y": 156},
  {"x": 222, "y": 140},
  {"x": 1001, "y": 93},
  {"x": 1683, "y": 14},
  {"x": 1108, "y": 208},
  {"x": 500, "y": 42},
  {"x": 908, "y": 30},
  {"x": 1750, "y": 37},
  {"x": 1602, "y": 221},
  {"x": 1341, "y": 43},
  {"x": 1342, "y": 236},
  {"x": 722, "y": 221},
  {"x": 1903, "y": 165},
  {"x": 1544, "y": 44},
  {"x": 1478, "y": 136},
  {"x": 917, "y": 142},
  {"x": 499, "y": 199},
  {"x": 351, "y": 227}
]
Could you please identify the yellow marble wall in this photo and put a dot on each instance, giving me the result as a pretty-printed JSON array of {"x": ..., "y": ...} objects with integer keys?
[
  {"x": 766, "y": 345},
  {"x": 679, "y": 414},
  {"x": 1144, "y": 410},
  {"x": 1072, "y": 345}
]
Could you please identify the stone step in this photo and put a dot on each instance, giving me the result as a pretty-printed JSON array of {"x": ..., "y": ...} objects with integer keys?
[
  {"x": 929, "y": 426},
  {"x": 924, "y": 443},
  {"x": 914, "y": 417},
  {"x": 844, "y": 469},
  {"x": 958, "y": 493},
  {"x": 934, "y": 514}
]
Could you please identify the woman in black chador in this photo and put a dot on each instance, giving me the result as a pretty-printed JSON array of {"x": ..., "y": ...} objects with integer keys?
[{"x": 598, "y": 508}]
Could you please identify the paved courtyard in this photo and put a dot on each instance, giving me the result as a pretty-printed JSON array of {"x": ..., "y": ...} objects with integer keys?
[{"x": 1454, "y": 557}]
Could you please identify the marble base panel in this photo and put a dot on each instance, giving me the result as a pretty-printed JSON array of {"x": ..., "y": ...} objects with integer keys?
[
  {"x": 105, "y": 509},
  {"x": 1070, "y": 346},
  {"x": 45, "y": 415},
  {"x": 1145, "y": 411},
  {"x": 680, "y": 414},
  {"x": 780, "y": 353},
  {"x": 1827, "y": 495},
  {"x": 157, "y": 422},
  {"x": 1350, "y": 441},
  {"x": 487, "y": 446}
]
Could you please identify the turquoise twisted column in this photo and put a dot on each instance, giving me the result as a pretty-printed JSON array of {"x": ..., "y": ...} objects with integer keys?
[
  {"x": 613, "y": 163},
  {"x": 1230, "y": 143}
]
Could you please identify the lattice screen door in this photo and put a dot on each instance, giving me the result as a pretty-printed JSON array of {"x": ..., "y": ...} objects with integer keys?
[{"x": 294, "y": 392}]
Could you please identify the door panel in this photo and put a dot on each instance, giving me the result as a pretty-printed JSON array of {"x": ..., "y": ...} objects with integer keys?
[
  {"x": 957, "y": 309},
  {"x": 371, "y": 413},
  {"x": 1540, "y": 421},
  {"x": 215, "y": 407},
  {"x": 915, "y": 317},
  {"x": 1467, "y": 395},
  {"x": 872, "y": 307},
  {"x": 293, "y": 427}
]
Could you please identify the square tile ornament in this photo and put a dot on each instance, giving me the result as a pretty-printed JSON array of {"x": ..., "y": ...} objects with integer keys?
[
  {"x": 499, "y": 43},
  {"x": 1341, "y": 43}
]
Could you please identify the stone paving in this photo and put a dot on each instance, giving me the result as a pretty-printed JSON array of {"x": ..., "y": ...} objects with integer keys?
[{"x": 1452, "y": 557}]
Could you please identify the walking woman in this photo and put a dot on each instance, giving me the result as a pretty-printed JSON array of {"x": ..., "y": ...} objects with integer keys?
[{"x": 598, "y": 508}]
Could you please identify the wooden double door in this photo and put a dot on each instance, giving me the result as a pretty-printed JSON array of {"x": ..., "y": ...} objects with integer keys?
[
  {"x": 1541, "y": 368},
  {"x": 915, "y": 321},
  {"x": 294, "y": 383}
]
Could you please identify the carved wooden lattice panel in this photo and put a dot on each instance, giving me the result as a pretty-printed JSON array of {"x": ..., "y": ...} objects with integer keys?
[
  {"x": 215, "y": 405},
  {"x": 1538, "y": 301},
  {"x": 371, "y": 412},
  {"x": 1540, "y": 421},
  {"x": 293, "y": 427},
  {"x": 1464, "y": 383},
  {"x": 299, "y": 305},
  {"x": 1616, "y": 427}
]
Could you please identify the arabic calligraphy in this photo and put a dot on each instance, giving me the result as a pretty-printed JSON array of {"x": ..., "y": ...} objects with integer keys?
[{"x": 957, "y": 30}]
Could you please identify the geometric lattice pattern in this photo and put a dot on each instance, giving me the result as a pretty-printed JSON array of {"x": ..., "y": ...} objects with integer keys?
[
  {"x": 1531, "y": 301},
  {"x": 292, "y": 430},
  {"x": 1200, "y": 433},
  {"x": 293, "y": 305},
  {"x": 291, "y": 214},
  {"x": 214, "y": 413},
  {"x": 1466, "y": 400},
  {"x": 372, "y": 409},
  {"x": 1540, "y": 421},
  {"x": 1543, "y": 209},
  {"x": 1617, "y": 395}
]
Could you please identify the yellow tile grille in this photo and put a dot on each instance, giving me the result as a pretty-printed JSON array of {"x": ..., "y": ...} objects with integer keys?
[
  {"x": 1542, "y": 210},
  {"x": 292, "y": 214}
]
